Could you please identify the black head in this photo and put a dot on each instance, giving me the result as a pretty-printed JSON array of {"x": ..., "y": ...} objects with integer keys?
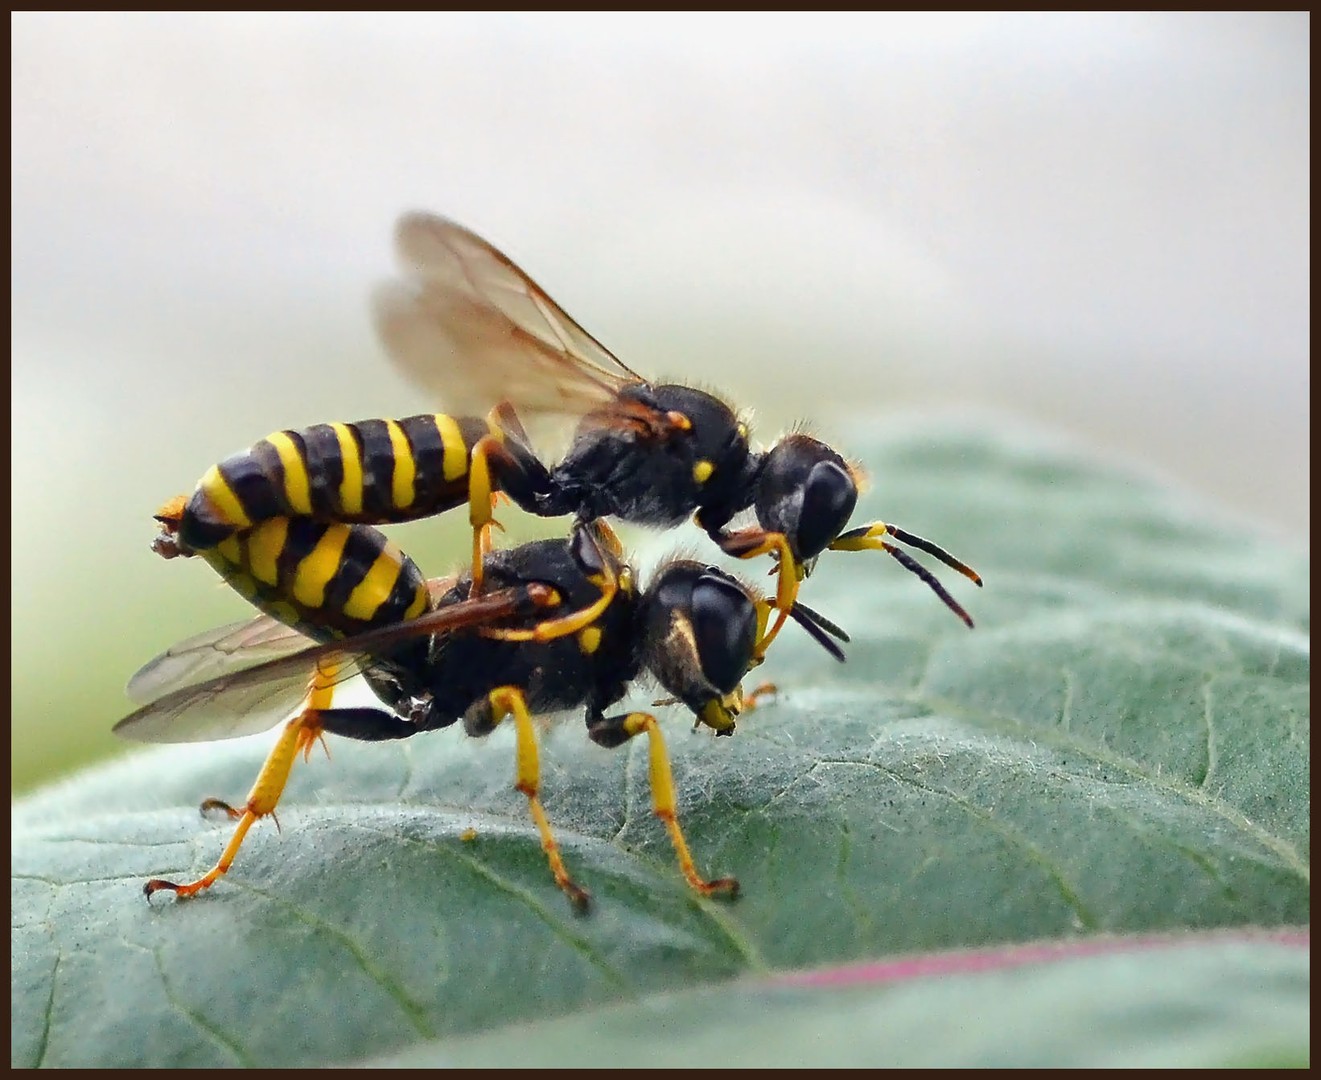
[
  {"x": 806, "y": 491},
  {"x": 699, "y": 631}
]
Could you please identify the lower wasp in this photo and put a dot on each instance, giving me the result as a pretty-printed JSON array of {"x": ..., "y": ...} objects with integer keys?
[
  {"x": 464, "y": 321},
  {"x": 448, "y": 656}
]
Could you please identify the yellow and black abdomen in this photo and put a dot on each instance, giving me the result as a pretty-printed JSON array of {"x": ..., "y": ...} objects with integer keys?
[
  {"x": 370, "y": 472},
  {"x": 325, "y": 579}
]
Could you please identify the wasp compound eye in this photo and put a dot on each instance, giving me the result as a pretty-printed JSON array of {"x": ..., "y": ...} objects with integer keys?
[
  {"x": 724, "y": 628},
  {"x": 828, "y": 500}
]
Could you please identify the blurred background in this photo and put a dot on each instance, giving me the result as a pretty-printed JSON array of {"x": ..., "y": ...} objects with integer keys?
[{"x": 1095, "y": 224}]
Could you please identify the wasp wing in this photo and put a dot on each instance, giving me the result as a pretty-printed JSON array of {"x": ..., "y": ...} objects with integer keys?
[
  {"x": 474, "y": 330},
  {"x": 212, "y": 653},
  {"x": 256, "y": 698},
  {"x": 225, "y": 649},
  {"x": 225, "y": 707}
]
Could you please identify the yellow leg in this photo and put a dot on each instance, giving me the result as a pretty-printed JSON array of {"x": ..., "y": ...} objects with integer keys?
[
  {"x": 509, "y": 701},
  {"x": 481, "y": 506},
  {"x": 299, "y": 734},
  {"x": 753, "y": 698},
  {"x": 663, "y": 805},
  {"x": 548, "y": 629},
  {"x": 748, "y": 545},
  {"x": 790, "y": 573},
  {"x": 484, "y": 539}
]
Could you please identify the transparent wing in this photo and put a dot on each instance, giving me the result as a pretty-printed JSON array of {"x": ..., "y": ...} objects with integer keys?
[
  {"x": 473, "y": 330},
  {"x": 256, "y": 698},
  {"x": 225, "y": 707},
  {"x": 213, "y": 653},
  {"x": 225, "y": 649}
]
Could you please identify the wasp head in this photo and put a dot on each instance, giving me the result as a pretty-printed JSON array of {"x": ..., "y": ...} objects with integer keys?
[
  {"x": 806, "y": 491},
  {"x": 699, "y": 634}
]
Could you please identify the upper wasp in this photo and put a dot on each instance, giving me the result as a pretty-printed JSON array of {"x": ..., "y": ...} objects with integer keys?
[{"x": 467, "y": 323}]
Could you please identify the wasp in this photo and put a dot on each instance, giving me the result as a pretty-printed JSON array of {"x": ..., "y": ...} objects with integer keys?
[
  {"x": 480, "y": 660},
  {"x": 470, "y": 326}
]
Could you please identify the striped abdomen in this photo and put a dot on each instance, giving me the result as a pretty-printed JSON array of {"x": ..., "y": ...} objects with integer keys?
[
  {"x": 373, "y": 472},
  {"x": 325, "y": 579}
]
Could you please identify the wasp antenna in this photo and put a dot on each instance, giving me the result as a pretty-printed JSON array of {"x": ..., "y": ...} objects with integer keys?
[
  {"x": 833, "y": 629},
  {"x": 936, "y": 551},
  {"x": 909, "y": 563},
  {"x": 817, "y": 631}
]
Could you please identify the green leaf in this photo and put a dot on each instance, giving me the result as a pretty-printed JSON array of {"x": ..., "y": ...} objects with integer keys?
[
  {"x": 1120, "y": 747},
  {"x": 1198, "y": 1000}
]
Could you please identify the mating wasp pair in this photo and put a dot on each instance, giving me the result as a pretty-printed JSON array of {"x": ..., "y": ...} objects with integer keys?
[{"x": 544, "y": 626}]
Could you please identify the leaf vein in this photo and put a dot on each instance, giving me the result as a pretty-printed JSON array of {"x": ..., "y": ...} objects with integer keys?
[
  {"x": 48, "y": 1015},
  {"x": 556, "y": 925},
  {"x": 197, "y": 1019},
  {"x": 1208, "y": 721},
  {"x": 1085, "y": 917},
  {"x": 413, "y": 1010}
]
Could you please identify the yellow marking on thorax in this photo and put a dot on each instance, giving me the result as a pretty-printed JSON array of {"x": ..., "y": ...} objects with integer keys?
[
  {"x": 297, "y": 491},
  {"x": 702, "y": 471},
  {"x": 402, "y": 488},
  {"x": 222, "y": 498},
  {"x": 456, "y": 450},
  {"x": 265, "y": 543},
  {"x": 350, "y": 487},
  {"x": 589, "y": 639},
  {"x": 319, "y": 566}
]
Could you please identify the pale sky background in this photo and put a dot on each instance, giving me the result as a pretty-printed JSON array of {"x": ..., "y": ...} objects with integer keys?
[{"x": 1097, "y": 224}]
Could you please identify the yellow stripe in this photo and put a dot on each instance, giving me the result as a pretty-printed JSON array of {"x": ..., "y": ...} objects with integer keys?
[
  {"x": 222, "y": 498},
  {"x": 456, "y": 450},
  {"x": 240, "y": 580},
  {"x": 296, "y": 489},
  {"x": 230, "y": 550},
  {"x": 373, "y": 590},
  {"x": 265, "y": 543},
  {"x": 319, "y": 566},
  {"x": 244, "y": 586},
  {"x": 419, "y": 603},
  {"x": 405, "y": 468},
  {"x": 285, "y": 612},
  {"x": 350, "y": 488}
]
